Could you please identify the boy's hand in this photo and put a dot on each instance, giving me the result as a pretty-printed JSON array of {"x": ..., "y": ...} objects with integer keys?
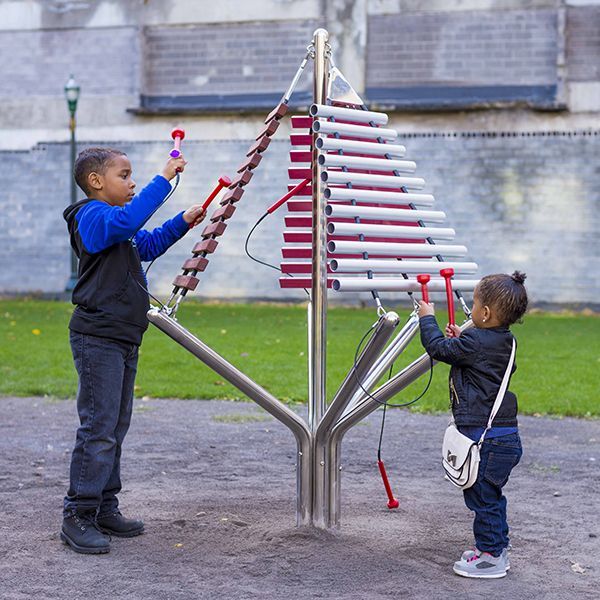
[
  {"x": 452, "y": 330},
  {"x": 194, "y": 215},
  {"x": 173, "y": 166},
  {"x": 425, "y": 309}
]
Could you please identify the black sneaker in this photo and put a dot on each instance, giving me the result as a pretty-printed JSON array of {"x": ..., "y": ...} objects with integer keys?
[
  {"x": 116, "y": 524},
  {"x": 80, "y": 532}
]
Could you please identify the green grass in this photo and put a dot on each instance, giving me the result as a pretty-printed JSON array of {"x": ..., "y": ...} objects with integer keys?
[{"x": 558, "y": 359}]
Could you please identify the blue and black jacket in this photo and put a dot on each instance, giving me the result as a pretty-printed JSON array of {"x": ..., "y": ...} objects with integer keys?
[
  {"x": 110, "y": 295},
  {"x": 479, "y": 358}
]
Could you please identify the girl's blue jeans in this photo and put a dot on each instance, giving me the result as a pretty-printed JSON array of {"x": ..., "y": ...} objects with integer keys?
[
  {"x": 106, "y": 370},
  {"x": 498, "y": 458}
]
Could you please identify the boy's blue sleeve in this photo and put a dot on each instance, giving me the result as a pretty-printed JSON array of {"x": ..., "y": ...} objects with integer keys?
[
  {"x": 151, "y": 244},
  {"x": 461, "y": 351},
  {"x": 101, "y": 225}
]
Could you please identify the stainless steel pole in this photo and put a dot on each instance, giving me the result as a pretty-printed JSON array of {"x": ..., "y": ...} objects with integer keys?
[
  {"x": 318, "y": 315},
  {"x": 322, "y": 486}
]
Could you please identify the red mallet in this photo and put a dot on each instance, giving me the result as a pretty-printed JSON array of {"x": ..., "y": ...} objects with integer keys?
[
  {"x": 177, "y": 135},
  {"x": 392, "y": 502},
  {"x": 423, "y": 279},
  {"x": 291, "y": 193},
  {"x": 224, "y": 181},
  {"x": 447, "y": 274}
]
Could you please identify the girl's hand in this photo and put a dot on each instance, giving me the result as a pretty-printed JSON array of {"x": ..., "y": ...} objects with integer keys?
[
  {"x": 452, "y": 330},
  {"x": 194, "y": 215},
  {"x": 173, "y": 166},
  {"x": 425, "y": 309}
]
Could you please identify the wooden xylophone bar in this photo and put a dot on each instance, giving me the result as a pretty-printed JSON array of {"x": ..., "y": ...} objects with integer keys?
[{"x": 187, "y": 281}]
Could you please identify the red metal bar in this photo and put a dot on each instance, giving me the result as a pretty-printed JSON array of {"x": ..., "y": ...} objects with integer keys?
[
  {"x": 295, "y": 173},
  {"x": 300, "y": 139},
  {"x": 299, "y": 156},
  {"x": 301, "y": 122},
  {"x": 299, "y": 206}
]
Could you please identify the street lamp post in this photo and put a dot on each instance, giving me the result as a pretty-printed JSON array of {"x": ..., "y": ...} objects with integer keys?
[{"x": 72, "y": 96}]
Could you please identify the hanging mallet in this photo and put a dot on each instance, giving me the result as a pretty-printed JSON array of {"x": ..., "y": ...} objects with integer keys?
[
  {"x": 423, "y": 279},
  {"x": 447, "y": 274},
  {"x": 392, "y": 502}
]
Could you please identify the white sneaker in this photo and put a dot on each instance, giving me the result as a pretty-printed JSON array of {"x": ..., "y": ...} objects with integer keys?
[
  {"x": 468, "y": 553},
  {"x": 482, "y": 566}
]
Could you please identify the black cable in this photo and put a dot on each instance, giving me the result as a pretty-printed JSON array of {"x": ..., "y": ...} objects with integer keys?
[
  {"x": 162, "y": 306},
  {"x": 385, "y": 402},
  {"x": 177, "y": 178},
  {"x": 261, "y": 262},
  {"x": 381, "y": 433}
]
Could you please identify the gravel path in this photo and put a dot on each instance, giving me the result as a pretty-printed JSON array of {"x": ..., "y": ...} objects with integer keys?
[{"x": 214, "y": 481}]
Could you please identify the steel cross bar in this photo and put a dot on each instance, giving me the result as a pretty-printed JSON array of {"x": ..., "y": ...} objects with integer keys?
[{"x": 255, "y": 392}]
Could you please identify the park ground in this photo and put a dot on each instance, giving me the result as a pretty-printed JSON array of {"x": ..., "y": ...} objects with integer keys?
[{"x": 214, "y": 482}]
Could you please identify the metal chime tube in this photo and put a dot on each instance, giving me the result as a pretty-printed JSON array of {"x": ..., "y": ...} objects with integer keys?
[{"x": 318, "y": 314}]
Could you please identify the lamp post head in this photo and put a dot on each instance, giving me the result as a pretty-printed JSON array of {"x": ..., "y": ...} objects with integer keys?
[{"x": 72, "y": 94}]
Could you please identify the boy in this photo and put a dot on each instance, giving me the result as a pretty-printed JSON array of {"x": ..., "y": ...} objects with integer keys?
[{"x": 106, "y": 330}]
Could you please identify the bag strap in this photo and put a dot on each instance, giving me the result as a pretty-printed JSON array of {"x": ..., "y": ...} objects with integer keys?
[{"x": 501, "y": 392}]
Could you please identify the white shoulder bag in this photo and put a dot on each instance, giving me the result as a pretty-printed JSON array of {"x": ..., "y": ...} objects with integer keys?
[{"x": 460, "y": 454}]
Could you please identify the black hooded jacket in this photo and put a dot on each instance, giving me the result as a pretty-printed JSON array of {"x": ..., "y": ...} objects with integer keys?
[{"x": 110, "y": 295}]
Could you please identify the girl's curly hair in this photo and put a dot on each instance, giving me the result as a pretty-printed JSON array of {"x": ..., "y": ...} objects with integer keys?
[{"x": 506, "y": 294}]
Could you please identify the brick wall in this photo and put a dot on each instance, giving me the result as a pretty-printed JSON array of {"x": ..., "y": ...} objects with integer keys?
[
  {"x": 199, "y": 64},
  {"x": 462, "y": 50},
  {"x": 517, "y": 201},
  {"x": 583, "y": 43},
  {"x": 38, "y": 63}
]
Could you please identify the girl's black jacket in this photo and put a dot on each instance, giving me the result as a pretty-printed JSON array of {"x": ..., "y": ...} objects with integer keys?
[{"x": 479, "y": 358}]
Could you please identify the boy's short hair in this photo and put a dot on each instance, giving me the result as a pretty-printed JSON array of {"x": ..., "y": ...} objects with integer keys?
[
  {"x": 506, "y": 293},
  {"x": 93, "y": 160}
]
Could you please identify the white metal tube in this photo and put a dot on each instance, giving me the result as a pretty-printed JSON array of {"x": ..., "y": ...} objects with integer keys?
[
  {"x": 372, "y": 164},
  {"x": 356, "y": 147},
  {"x": 395, "y": 231},
  {"x": 382, "y": 265},
  {"x": 398, "y": 284},
  {"x": 348, "y": 211},
  {"x": 396, "y": 250},
  {"x": 348, "y": 114},
  {"x": 364, "y": 179},
  {"x": 384, "y": 197},
  {"x": 356, "y": 131}
]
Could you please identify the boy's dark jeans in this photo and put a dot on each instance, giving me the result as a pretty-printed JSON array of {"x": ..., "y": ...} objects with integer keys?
[
  {"x": 106, "y": 370},
  {"x": 498, "y": 458}
]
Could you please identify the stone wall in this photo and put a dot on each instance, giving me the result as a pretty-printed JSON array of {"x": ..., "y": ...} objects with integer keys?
[{"x": 518, "y": 201}]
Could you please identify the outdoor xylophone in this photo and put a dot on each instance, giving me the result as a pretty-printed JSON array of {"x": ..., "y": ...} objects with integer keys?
[{"x": 357, "y": 222}]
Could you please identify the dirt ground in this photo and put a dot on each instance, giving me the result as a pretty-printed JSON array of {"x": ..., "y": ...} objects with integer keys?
[{"x": 215, "y": 484}]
